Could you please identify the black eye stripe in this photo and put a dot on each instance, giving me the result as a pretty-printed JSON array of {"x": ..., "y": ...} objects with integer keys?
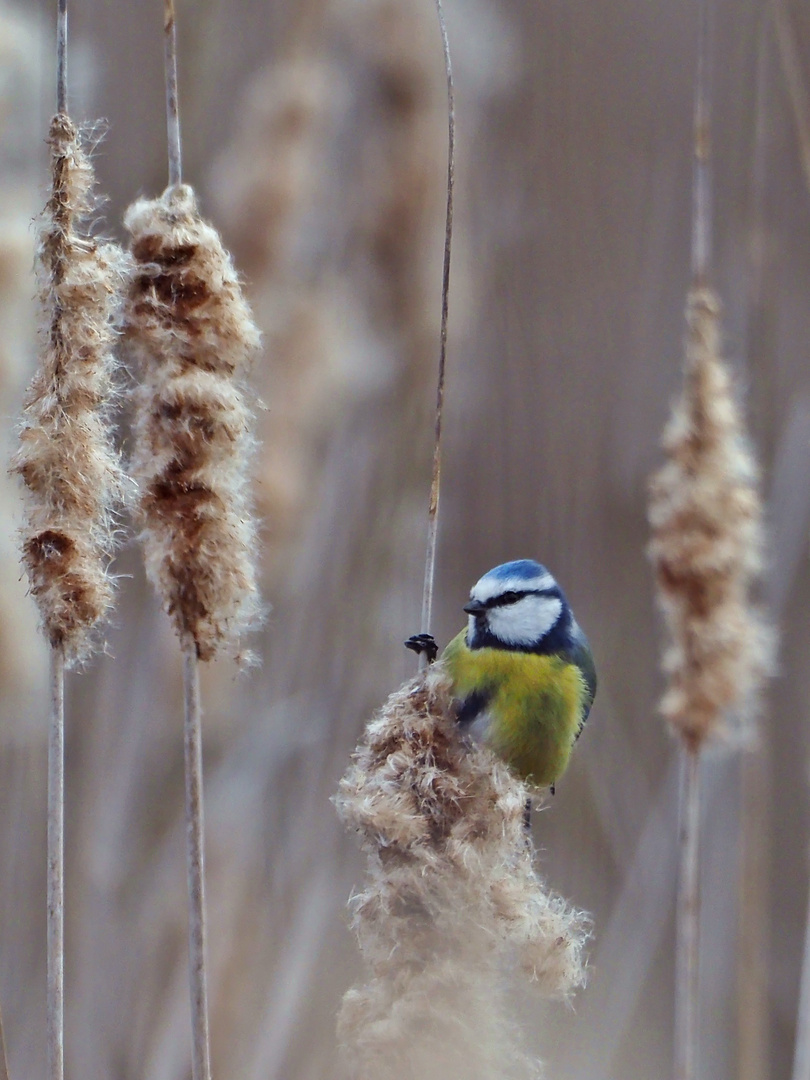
[{"x": 512, "y": 597}]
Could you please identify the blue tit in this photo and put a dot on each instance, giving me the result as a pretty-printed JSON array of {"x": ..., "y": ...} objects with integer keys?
[{"x": 522, "y": 671}]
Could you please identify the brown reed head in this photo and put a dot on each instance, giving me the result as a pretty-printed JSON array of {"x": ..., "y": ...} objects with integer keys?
[
  {"x": 706, "y": 547},
  {"x": 452, "y": 902},
  {"x": 66, "y": 457},
  {"x": 193, "y": 336}
]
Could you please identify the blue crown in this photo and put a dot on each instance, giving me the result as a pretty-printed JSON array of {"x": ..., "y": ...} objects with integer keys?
[{"x": 519, "y": 568}]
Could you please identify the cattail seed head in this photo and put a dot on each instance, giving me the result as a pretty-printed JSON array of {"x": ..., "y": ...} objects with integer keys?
[
  {"x": 706, "y": 546},
  {"x": 193, "y": 336},
  {"x": 66, "y": 457},
  {"x": 452, "y": 901}
]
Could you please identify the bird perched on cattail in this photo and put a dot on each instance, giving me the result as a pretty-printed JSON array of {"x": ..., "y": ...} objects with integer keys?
[{"x": 522, "y": 672}]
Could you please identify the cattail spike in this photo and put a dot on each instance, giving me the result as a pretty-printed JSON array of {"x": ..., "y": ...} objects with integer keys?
[
  {"x": 193, "y": 336},
  {"x": 706, "y": 546},
  {"x": 452, "y": 900},
  {"x": 66, "y": 457}
]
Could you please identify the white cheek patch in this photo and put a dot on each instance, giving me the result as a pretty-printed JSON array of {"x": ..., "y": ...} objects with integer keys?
[
  {"x": 489, "y": 587},
  {"x": 525, "y": 622}
]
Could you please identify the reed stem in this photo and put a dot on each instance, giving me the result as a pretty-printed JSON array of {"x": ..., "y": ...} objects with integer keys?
[
  {"x": 172, "y": 107},
  {"x": 56, "y": 751},
  {"x": 801, "y": 1051},
  {"x": 4, "y": 1075},
  {"x": 61, "y": 56},
  {"x": 195, "y": 859},
  {"x": 192, "y": 726},
  {"x": 800, "y": 102},
  {"x": 433, "y": 506},
  {"x": 56, "y": 856},
  {"x": 688, "y": 920},
  {"x": 701, "y": 177}
]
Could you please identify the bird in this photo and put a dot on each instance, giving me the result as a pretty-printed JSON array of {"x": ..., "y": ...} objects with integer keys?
[{"x": 522, "y": 673}]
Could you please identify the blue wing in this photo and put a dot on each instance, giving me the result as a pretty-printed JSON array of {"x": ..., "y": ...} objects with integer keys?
[{"x": 580, "y": 654}]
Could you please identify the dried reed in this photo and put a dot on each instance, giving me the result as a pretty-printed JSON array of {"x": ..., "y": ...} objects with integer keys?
[
  {"x": 706, "y": 520},
  {"x": 706, "y": 547},
  {"x": 452, "y": 903},
  {"x": 193, "y": 337},
  {"x": 435, "y": 485},
  {"x": 71, "y": 471}
]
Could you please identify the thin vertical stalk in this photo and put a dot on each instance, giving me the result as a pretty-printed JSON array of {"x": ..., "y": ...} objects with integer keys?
[
  {"x": 192, "y": 727},
  {"x": 433, "y": 506},
  {"x": 800, "y": 101},
  {"x": 61, "y": 56},
  {"x": 688, "y": 904},
  {"x": 56, "y": 856},
  {"x": 753, "y": 921},
  {"x": 801, "y": 1051},
  {"x": 172, "y": 108},
  {"x": 688, "y": 919},
  {"x": 3, "y": 1056},
  {"x": 56, "y": 751},
  {"x": 701, "y": 176},
  {"x": 195, "y": 860}
]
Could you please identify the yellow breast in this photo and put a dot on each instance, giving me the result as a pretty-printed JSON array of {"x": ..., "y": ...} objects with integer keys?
[{"x": 534, "y": 705}]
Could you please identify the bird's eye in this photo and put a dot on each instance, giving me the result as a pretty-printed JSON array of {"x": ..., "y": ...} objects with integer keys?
[{"x": 510, "y": 598}]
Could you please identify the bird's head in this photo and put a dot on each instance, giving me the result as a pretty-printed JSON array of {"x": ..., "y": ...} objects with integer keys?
[{"x": 517, "y": 606}]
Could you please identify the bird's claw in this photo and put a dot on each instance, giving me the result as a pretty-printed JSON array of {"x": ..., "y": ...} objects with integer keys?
[{"x": 423, "y": 643}]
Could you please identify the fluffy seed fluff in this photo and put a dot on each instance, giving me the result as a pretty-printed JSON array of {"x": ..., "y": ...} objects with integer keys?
[
  {"x": 452, "y": 903},
  {"x": 66, "y": 456},
  {"x": 706, "y": 547},
  {"x": 193, "y": 336}
]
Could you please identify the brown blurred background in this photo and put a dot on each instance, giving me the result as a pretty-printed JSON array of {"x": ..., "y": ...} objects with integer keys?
[{"x": 315, "y": 133}]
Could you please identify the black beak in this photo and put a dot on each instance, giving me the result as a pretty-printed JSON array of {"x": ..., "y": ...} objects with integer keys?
[{"x": 475, "y": 607}]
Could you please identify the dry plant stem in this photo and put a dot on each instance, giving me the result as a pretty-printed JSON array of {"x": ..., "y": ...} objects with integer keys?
[
  {"x": 688, "y": 909},
  {"x": 195, "y": 858},
  {"x": 172, "y": 108},
  {"x": 56, "y": 850},
  {"x": 688, "y": 944},
  {"x": 701, "y": 192},
  {"x": 433, "y": 506},
  {"x": 192, "y": 334},
  {"x": 3, "y": 1058},
  {"x": 61, "y": 57},
  {"x": 800, "y": 102},
  {"x": 801, "y": 1059},
  {"x": 753, "y": 918}
]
